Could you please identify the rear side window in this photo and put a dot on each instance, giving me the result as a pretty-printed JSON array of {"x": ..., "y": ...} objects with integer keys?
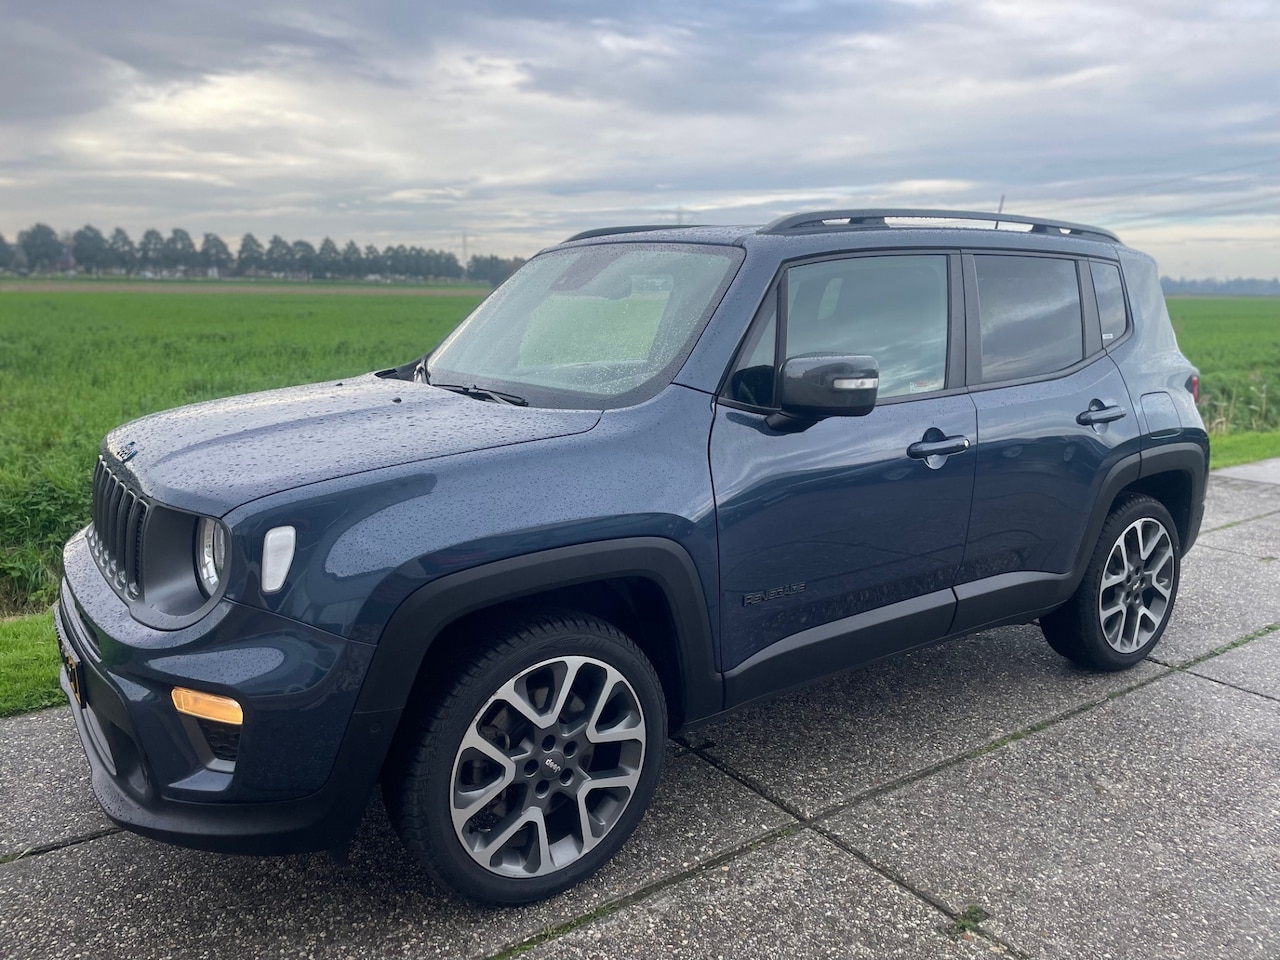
[
  {"x": 1029, "y": 316},
  {"x": 1106, "y": 284}
]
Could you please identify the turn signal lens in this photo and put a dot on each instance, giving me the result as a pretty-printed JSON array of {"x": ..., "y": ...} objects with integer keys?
[
  {"x": 207, "y": 706},
  {"x": 277, "y": 557}
]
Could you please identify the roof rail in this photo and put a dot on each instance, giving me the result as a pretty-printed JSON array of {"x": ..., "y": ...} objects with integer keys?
[
  {"x": 817, "y": 221},
  {"x": 638, "y": 228}
]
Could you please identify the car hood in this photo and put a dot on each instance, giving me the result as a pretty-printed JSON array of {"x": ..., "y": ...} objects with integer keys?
[{"x": 211, "y": 457}]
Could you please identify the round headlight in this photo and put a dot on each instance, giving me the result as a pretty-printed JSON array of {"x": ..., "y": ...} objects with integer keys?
[{"x": 211, "y": 554}]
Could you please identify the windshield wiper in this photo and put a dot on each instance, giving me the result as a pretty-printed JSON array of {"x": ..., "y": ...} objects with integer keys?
[{"x": 480, "y": 393}]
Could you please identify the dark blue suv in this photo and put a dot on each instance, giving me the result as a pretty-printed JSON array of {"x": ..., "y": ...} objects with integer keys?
[{"x": 658, "y": 474}]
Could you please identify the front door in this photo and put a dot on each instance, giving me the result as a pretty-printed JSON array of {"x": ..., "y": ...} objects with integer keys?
[{"x": 840, "y": 543}]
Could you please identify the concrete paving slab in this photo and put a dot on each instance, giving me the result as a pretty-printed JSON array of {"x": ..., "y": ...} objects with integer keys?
[
  {"x": 1263, "y": 471},
  {"x": 827, "y": 743},
  {"x": 1146, "y": 828},
  {"x": 1229, "y": 500},
  {"x": 799, "y": 897},
  {"x": 124, "y": 896},
  {"x": 1254, "y": 667},
  {"x": 1259, "y": 538},
  {"x": 44, "y": 782},
  {"x": 1223, "y": 597}
]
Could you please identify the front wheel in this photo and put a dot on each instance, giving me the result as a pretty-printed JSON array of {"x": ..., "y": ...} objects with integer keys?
[
  {"x": 537, "y": 763},
  {"x": 1122, "y": 606}
]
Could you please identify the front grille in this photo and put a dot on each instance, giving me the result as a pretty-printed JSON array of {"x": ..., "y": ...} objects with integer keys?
[{"x": 116, "y": 534}]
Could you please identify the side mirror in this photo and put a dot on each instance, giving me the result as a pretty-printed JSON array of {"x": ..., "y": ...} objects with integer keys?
[{"x": 815, "y": 386}]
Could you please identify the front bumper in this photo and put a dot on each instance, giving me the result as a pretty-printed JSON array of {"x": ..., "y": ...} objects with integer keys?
[{"x": 301, "y": 773}]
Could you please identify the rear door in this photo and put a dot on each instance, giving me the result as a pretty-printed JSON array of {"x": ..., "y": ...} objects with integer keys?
[
  {"x": 1054, "y": 417},
  {"x": 839, "y": 543}
]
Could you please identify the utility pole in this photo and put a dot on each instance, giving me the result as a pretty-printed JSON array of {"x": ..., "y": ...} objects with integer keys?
[{"x": 465, "y": 258}]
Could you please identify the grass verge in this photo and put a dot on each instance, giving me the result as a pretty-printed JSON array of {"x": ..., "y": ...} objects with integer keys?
[
  {"x": 1233, "y": 448},
  {"x": 29, "y": 665}
]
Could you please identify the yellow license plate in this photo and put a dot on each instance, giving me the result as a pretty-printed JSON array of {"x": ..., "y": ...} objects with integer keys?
[{"x": 75, "y": 671}]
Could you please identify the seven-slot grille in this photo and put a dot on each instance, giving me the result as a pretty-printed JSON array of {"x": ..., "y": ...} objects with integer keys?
[{"x": 116, "y": 534}]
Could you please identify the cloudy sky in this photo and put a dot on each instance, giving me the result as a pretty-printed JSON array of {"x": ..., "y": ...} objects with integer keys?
[{"x": 517, "y": 123}]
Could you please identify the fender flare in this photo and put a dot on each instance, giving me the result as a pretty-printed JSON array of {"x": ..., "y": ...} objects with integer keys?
[
  {"x": 425, "y": 613},
  {"x": 1188, "y": 458},
  {"x": 1193, "y": 460}
]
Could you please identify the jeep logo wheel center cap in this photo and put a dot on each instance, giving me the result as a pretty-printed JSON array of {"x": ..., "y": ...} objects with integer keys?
[{"x": 553, "y": 765}]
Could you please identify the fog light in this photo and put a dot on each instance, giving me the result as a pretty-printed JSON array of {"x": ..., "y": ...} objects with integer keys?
[
  {"x": 207, "y": 706},
  {"x": 277, "y": 556}
]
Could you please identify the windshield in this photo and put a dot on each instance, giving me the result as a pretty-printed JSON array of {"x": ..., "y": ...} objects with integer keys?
[{"x": 597, "y": 326}]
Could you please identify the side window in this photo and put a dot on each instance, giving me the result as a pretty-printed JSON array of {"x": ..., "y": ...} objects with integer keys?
[
  {"x": 892, "y": 308},
  {"x": 1106, "y": 284},
  {"x": 1028, "y": 316},
  {"x": 753, "y": 376}
]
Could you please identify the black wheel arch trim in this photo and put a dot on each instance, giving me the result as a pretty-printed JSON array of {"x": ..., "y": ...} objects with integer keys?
[
  {"x": 420, "y": 619},
  {"x": 1185, "y": 458},
  {"x": 1191, "y": 458},
  {"x": 1123, "y": 472}
]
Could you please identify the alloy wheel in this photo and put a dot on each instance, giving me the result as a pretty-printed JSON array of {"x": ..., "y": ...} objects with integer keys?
[
  {"x": 547, "y": 766},
  {"x": 1137, "y": 585}
]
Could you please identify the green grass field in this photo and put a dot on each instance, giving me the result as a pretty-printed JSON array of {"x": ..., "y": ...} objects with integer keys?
[
  {"x": 77, "y": 361},
  {"x": 75, "y": 364},
  {"x": 1236, "y": 344}
]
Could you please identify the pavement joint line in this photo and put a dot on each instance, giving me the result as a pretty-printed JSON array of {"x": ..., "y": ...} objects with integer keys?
[
  {"x": 1234, "y": 553},
  {"x": 636, "y": 896},
  {"x": 1234, "y": 686},
  {"x": 1219, "y": 651},
  {"x": 746, "y": 781},
  {"x": 1235, "y": 523},
  {"x": 925, "y": 772},
  {"x": 43, "y": 848},
  {"x": 813, "y": 824},
  {"x": 904, "y": 884},
  {"x": 1039, "y": 726}
]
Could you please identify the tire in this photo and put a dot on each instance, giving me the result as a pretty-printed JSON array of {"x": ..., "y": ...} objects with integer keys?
[
  {"x": 535, "y": 764},
  {"x": 1121, "y": 608}
]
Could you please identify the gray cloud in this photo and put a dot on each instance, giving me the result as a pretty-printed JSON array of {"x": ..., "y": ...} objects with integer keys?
[{"x": 520, "y": 123}]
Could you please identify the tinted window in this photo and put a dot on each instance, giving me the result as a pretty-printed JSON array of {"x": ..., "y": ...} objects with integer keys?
[
  {"x": 1106, "y": 284},
  {"x": 1029, "y": 316},
  {"x": 891, "y": 308}
]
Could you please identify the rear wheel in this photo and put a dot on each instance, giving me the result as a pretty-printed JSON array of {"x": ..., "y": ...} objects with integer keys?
[
  {"x": 537, "y": 763},
  {"x": 1122, "y": 606}
]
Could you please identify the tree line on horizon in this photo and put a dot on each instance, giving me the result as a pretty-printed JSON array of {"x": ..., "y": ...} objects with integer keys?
[{"x": 41, "y": 250}]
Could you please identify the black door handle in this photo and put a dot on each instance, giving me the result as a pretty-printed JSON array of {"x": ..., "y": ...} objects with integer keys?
[
  {"x": 922, "y": 449},
  {"x": 1100, "y": 414}
]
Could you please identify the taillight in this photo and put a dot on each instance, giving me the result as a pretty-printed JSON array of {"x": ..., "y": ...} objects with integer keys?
[{"x": 1193, "y": 384}]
